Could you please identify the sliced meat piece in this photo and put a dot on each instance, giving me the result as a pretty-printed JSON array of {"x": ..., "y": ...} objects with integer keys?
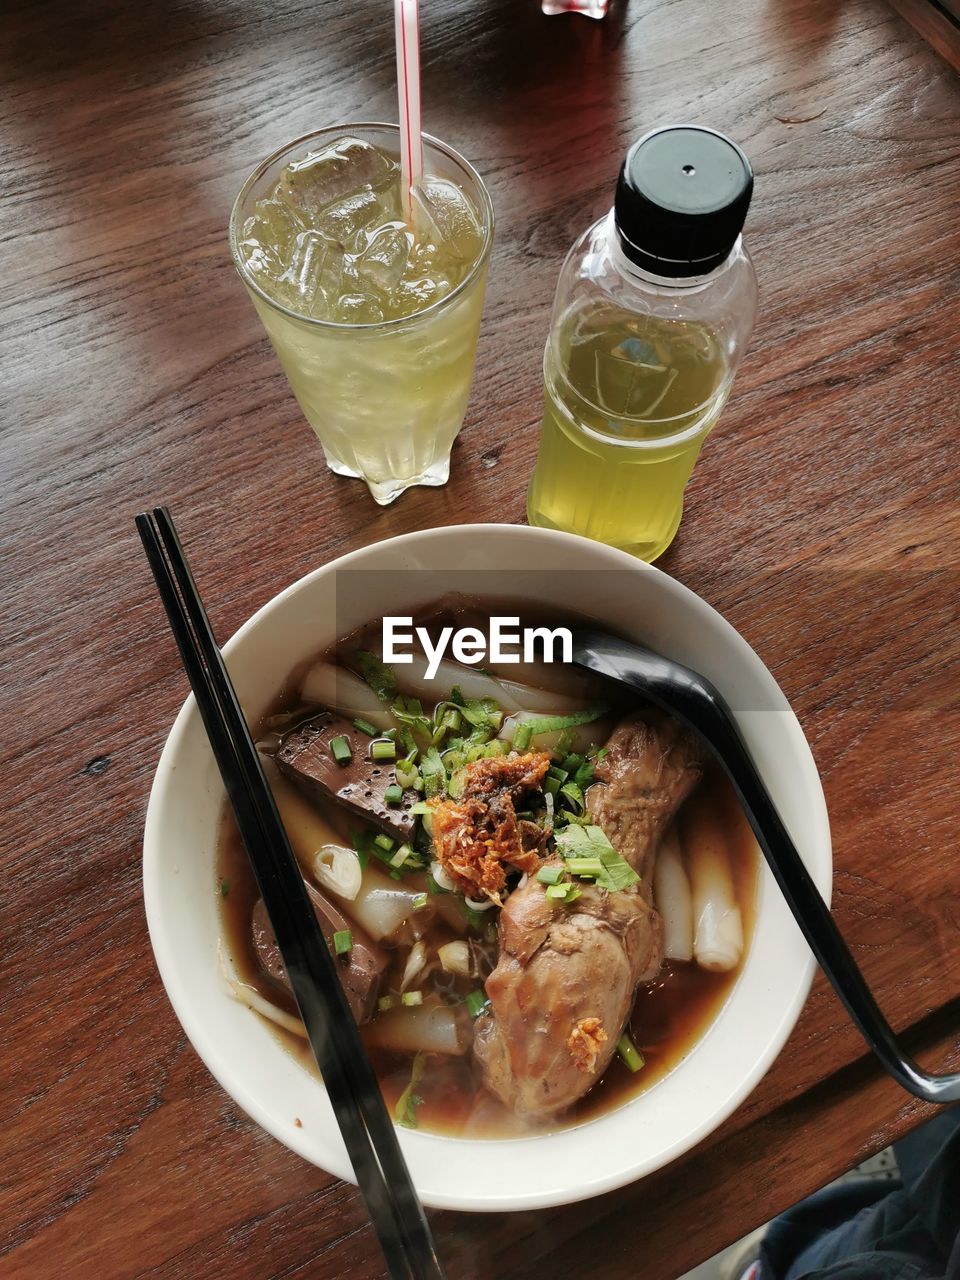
[
  {"x": 359, "y": 971},
  {"x": 566, "y": 977},
  {"x": 561, "y": 993},
  {"x": 651, "y": 766},
  {"x": 478, "y": 835},
  {"x": 304, "y": 756}
]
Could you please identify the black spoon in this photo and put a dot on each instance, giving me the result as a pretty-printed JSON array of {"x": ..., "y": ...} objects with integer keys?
[{"x": 701, "y": 707}]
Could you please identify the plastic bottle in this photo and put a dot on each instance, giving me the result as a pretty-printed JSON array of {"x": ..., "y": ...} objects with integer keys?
[{"x": 653, "y": 310}]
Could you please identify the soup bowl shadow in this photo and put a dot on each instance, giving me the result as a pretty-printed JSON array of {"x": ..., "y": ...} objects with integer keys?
[{"x": 539, "y": 566}]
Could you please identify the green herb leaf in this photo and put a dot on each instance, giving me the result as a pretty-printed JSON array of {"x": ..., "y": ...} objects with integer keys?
[
  {"x": 573, "y": 796},
  {"x": 574, "y": 841},
  {"x": 405, "y": 1112},
  {"x": 483, "y": 713},
  {"x": 377, "y": 675}
]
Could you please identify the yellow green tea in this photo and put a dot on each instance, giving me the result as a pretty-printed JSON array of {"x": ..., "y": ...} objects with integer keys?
[
  {"x": 327, "y": 242},
  {"x": 628, "y": 402}
]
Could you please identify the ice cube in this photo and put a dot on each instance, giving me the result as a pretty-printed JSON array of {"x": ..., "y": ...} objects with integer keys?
[
  {"x": 384, "y": 260},
  {"x": 359, "y": 308},
  {"x": 344, "y": 220},
  {"x": 323, "y": 177},
  {"x": 630, "y": 388},
  {"x": 274, "y": 225},
  {"x": 442, "y": 209},
  {"x": 262, "y": 261},
  {"x": 414, "y": 295},
  {"x": 305, "y": 266}
]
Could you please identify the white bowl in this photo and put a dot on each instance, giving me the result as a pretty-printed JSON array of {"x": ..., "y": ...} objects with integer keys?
[{"x": 180, "y": 888}]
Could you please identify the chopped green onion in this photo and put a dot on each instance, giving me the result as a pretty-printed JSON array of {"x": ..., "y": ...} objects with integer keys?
[
  {"x": 385, "y": 1003},
  {"x": 389, "y": 734},
  {"x": 401, "y": 856},
  {"x": 536, "y": 725},
  {"x": 406, "y": 770},
  {"x": 550, "y": 875},
  {"x": 521, "y": 739},
  {"x": 383, "y": 749},
  {"x": 433, "y": 773},
  {"x": 409, "y": 713},
  {"x": 454, "y": 758},
  {"x": 395, "y": 875},
  {"x": 419, "y": 901},
  {"x": 412, "y": 998},
  {"x": 589, "y": 868},
  {"x": 384, "y": 842},
  {"x": 475, "y": 919},
  {"x": 550, "y": 785},
  {"x": 451, "y": 720},
  {"x": 629, "y": 1054},
  {"x": 393, "y": 795},
  {"x": 567, "y": 892},
  {"x": 341, "y": 750},
  {"x": 405, "y": 1112},
  {"x": 343, "y": 942},
  {"x": 483, "y": 713},
  {"x": 361, "y": 847},
  {"x": 555, "y": 772},
  {"x": 476, "y": 1003},
  {"x": 420, "y": 808},
  {"x": 364, "y": 726}
]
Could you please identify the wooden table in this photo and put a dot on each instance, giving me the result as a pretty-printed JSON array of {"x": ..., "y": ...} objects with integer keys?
[{"x": 822, "y": 521}]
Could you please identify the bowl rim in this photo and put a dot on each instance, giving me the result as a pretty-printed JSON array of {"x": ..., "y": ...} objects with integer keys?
[{"x": 300, "y": 1140}]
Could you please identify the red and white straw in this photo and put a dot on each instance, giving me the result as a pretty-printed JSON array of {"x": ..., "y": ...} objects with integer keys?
[{"x": 408, "y": 85}]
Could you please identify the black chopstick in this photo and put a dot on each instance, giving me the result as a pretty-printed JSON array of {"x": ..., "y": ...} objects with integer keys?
[{"x": 382, "y": 1175}]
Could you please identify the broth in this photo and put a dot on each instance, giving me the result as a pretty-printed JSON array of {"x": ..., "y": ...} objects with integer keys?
[{"x": 670, "y": 1014}]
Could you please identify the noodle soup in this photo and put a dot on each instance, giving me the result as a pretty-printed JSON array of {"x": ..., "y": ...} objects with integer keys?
[{"x": 511, "y": 967}]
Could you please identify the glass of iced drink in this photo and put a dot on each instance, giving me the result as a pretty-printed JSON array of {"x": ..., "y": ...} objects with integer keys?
[{"x": 374, "y": 321}]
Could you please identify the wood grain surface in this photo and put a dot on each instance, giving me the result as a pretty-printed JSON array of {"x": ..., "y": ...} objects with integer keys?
[{"x": 822, "y": 520}]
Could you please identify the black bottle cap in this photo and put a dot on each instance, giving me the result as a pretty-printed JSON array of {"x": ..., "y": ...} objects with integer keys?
[{"x": 682, "y": 197}]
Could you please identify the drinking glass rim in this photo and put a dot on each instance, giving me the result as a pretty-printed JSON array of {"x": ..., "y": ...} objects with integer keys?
[{"x": 375, "y": 325}]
